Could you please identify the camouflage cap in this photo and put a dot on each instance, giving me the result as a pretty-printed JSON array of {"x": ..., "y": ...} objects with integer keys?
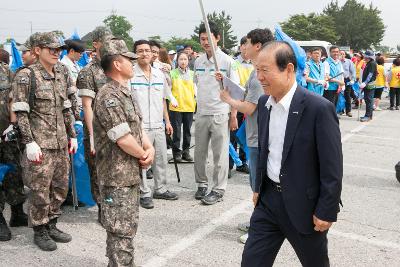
[
  {"x": 116, "y": 46},
  {"x": 50, "y": 40},
  {"x": 101, "y": 33},
  {"x": 32, "y": 40}
]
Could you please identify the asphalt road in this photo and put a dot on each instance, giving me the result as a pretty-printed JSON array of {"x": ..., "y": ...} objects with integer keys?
[{"x": 186, "y": 233}]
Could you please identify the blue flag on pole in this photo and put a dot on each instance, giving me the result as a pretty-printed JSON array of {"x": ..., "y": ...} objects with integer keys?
[
  {"x": 301, "y": 56},
  {"x": 16, "y": 57}
]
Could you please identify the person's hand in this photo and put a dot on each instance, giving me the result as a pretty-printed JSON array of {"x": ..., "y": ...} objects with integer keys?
[
  {"x": 147, "y": 158},
  {"x": 173, "y": 101},
  {"x": 255, "y": 198},
  {"x": 233, "y": 123},
  {"x": 73, "y": 145},
  {"x": 321, "y": 82},
  {"x": 166, "y": 68},
  {"x": 92, "y": 150},
  {"x": 169, "y": 129},
  {"x": 225, "y": 96},
  {"x": 320, "y": 225},
  {"x": 362, "y": 85},
  {"x": 33, "y": 152},
  {"x": 219, "y": 76}
]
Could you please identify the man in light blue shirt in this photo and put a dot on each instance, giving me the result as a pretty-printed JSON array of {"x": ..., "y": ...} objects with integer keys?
[{"x": 334, "y": 69}]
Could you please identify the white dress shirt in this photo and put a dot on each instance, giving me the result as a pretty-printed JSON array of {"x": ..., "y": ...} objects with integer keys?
[{"x": 277, "y": 128}]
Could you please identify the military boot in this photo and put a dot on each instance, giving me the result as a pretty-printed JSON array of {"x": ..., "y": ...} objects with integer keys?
[
  {"x": 56, "y": 234},
  {"x": 5, "y": 233},
  {"x": 18, "y": 216},
  {"x": 42, "y": 239}
]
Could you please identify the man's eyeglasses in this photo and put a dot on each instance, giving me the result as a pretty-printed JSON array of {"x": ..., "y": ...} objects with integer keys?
[
  {"x": 148, "y": 51},
  {"x": 54, "y": 51}
]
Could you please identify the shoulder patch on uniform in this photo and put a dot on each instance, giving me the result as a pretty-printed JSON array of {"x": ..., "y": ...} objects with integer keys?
[
  {"x": 22, "y": 80},
  {"x": 111, "y": 103}
]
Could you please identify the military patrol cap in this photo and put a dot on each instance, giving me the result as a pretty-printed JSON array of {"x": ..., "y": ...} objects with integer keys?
[
  {"x": 50, "y": 40},
  {"x": 101, "y": 33},
  {"x": 24, "y": 47},
  {"x": 32, "y": 40},
  {"x": 114, "y": 47}
]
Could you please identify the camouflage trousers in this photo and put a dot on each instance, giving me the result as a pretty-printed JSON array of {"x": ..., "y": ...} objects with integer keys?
[
  {"x": 48, "y": 182},
  {"x": 120, "y": 217},
  {"x": 12, "y": 187},
  {"x": 90, "y": 160}
]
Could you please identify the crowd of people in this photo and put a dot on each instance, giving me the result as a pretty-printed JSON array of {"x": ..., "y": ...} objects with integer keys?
[{"x": 133, "y": 100}]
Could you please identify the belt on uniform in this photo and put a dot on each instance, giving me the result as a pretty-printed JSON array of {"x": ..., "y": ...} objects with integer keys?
[{"x": 276, "y": 186}]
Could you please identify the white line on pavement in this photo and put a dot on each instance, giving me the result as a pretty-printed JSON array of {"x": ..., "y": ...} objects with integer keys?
[
  {"x": 197, "y": 235},
  {"x": 369, "y": 168},
  {"x": 372, "y": 241}
]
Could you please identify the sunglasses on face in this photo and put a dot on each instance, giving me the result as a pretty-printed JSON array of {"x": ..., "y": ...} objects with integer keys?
[{"x": 53, "y": 51}]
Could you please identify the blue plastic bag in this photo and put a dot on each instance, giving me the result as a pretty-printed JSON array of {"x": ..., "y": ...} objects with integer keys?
[
  {"x": 4, "y": 169},
  {"x": 235, "y": 156},
  {"x": 241, "y": 138},
  {"x": 341, "y": 103}
]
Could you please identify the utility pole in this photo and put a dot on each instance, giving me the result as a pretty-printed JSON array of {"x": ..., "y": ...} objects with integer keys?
[
  {"x": 223, "y": 34},
  {"x": 31, "y": 27}
]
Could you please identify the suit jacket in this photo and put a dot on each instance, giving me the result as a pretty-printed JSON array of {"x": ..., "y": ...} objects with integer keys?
[{"x": 312, "y": 162}]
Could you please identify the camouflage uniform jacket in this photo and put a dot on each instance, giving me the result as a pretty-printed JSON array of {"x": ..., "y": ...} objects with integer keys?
[
  {"x": 5, "y": 89},
  {"x": 90, "y": 79},
  {"x": 116, "y": 114},
  {"x": 50, "y": 119}
]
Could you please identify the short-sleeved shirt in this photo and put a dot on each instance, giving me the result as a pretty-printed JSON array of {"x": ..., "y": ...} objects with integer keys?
[
  {"x": 116, "y": 114},
  {"x": 150, "y": 94},
  {"x": 208, "y": 89},
  {"x": 90, "y": 79},
  {"x": 253, "y": 92}
]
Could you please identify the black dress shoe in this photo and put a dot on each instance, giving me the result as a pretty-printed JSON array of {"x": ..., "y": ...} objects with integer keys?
[
  {"x": 212, "y": 198},
  {"x": 201, "y": 192},
  {"x": 167, "y": 195},
  {"x": 146, "y": 202}
]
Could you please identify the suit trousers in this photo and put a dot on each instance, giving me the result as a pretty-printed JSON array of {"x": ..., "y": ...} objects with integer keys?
[{"x": 270, "y": 225}]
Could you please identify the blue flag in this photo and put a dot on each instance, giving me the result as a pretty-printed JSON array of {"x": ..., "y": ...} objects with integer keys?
[
  {"x": 16, "y": 57},
  {"x": 235, "y": 156},
  {"x": 301, "y": 56}
]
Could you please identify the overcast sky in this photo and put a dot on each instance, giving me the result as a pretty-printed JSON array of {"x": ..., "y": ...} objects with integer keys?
[{"x": 166, "y": 18}]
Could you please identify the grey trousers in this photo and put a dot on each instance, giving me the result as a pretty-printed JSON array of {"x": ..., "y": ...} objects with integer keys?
[
  {"x": 159, "y": 167},
  {"x": 212, "y": 128}
]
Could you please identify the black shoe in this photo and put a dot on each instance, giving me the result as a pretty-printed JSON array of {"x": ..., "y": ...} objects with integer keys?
[
  {"x": 18, "y": 216},
  {"x": 186, "y": 156},
  {"x": 5, "y": 233},
  {"x": 149, "y": 174},
  {"x": 178, "y": 157},
  {"x": 230, "y": 174},
  {"x": 201, "y": 192},
  {"x": 391, "y": 108},
  {"x": 42, "y": 239},
  {"x": 244, "y": 168},
  {"x": 397, "y": 107},
  {"x": 146, "y": 202},
  {"x": 56, "y": 234},
  {"x": 365, "y": 119},
  {"x": 212, "y": 198},
  {"x": 167, "y": 195}
]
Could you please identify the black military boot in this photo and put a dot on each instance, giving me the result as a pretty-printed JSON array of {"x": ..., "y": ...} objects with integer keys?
[
  {"x": 56, "y": 234},
  {"x": 42, "y": 239},
  {"x": 18, "y": 216},
  {"x": 5, "y": 233}
]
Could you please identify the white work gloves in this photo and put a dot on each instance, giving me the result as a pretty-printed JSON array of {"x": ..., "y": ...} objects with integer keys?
[
  {"x": 362, "y": 86},
  {"x": 33, "y": 152},
  {"x": 6, "y": 131},
  {"x": 73, "y": 145},
  {"x": 92, "y": 150},
  {"x": 173, "y": 101}
]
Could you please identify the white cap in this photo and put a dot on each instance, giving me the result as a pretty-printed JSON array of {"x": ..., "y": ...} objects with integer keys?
[{"x": 171, "y": 52}]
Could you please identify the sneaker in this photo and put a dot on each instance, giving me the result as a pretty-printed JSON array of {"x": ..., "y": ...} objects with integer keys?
[
  {"x": 167, "y": 195},
  {"x": 212, "y": 198},
  {"x": 243, "y": 238},
  {"x": 146, "y": 202},
  {"x": 244, "y": 168},
  {"x": 348, "y": 114},
  {"x": 56, "y": 234},
  {"x": 186, "y": 156},
  {"x": 201, "y": 192},
  {"x": 365, "y": 119},
  {"x": 244, "y": 226}
]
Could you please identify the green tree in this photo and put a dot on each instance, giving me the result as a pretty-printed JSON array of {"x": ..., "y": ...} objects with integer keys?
[
  {"x": 175, "y": 41},
  {"x": 120, "y": 27},
  {"x": 358, "y": 26},
  {"x": 223, "y": 21},
  {"x": 157, "y": 38},
  {"x": 311, "y": 27}
]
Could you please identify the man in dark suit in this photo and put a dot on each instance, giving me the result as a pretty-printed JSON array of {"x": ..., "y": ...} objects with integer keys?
[{"x": 300, "y": 165}]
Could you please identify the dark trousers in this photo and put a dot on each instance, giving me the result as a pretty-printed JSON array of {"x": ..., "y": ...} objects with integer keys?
[
  {"x": 177, "y": 120},
  {"x": 348, "y": 95},
  {"x": 233, "y": 140},
  {"x": 394, "y": 93},
  {"x": 270, "y": 226},
  {"x": 331, "y": 95},
  {"x": 369, "y": 102}
]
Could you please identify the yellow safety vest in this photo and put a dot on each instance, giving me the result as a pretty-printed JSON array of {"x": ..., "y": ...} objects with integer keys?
[
  {"x": 380, "y": 77},
  {"x": 183, "y": 91},
  {"x": 244, "y": 71},
  {"x": 359, "y": 66},
  {"x": 395, "y": 81}
]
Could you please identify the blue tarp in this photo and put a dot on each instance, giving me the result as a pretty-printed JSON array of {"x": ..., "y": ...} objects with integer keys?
[
  {"x": 16, "y": 57},
  {"x": 301, "y": 56},
  {"x": 82, "y": 171},
  {"x": 4, "y": 168}
]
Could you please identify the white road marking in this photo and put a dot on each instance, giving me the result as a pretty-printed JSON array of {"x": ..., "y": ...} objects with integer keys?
[
  {"x": 371, "y": 241},
  {"x": 197, "y": 235}
]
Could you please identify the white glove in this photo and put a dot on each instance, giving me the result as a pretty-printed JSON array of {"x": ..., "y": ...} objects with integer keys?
[
  {"x": 73, "y": 145},
  {"x": 33, "y": 152},
  {"x": 91, "y": 140},
  {"x": 362, "y": 86},
  {"x": 6, "y": 131},
  {"x": 79, "y": 123},
  {"x": 173, "y": 101},
  {"x": 321, "y": 82}
]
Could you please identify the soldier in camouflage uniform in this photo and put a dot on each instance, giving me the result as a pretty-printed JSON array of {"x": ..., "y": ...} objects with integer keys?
[
  {"x": 12, "y": 187},
  {"x": 122, "y": 148},
  {"x": 90, "y": 79},
  {"x": 45, "y": 121}
]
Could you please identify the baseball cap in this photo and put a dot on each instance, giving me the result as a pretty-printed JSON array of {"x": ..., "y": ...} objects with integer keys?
[
  {"x": 116, "y": 46},
  {"x": 369, "y": 54},
  {"x": 101, "y": 33},
  {"x": 50, "y": 40},
  {"x": 171, "y": 52}
]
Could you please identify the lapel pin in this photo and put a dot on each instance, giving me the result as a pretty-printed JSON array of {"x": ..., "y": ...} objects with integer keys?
[{"x": 296, "y": 112}]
